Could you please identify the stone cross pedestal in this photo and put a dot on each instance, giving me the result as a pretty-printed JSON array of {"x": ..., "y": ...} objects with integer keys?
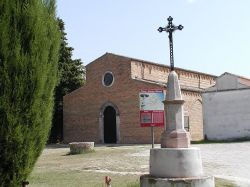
[
  {"x": 175, "y": 164},
  {"x": 174, "y": 135}
]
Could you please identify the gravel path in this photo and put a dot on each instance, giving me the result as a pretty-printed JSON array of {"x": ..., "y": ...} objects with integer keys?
[{"x": 227, "y": 160}]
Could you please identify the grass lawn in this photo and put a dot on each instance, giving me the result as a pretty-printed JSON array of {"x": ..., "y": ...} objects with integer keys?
[{"x": 124, "y": 164}]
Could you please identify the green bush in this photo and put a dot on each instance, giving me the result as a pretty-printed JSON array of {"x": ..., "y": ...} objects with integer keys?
[{"x": 29, "y": 44}]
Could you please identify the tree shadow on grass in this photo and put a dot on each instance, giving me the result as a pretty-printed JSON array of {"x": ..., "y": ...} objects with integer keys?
[
  {"x": 81, "y": 153},
  {"x": 56, "y": 146}
]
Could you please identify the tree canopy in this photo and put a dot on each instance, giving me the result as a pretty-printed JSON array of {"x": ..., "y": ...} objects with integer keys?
[{"x": 71, "y": 77}]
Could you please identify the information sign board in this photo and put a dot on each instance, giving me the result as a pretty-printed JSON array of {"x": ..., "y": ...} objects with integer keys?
[{"x": 151, "y": 108}]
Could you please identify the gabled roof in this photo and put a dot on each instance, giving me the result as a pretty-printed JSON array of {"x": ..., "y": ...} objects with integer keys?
[
  {"x": 153, "y": 63},
  {"x": 239, "y": 76},
  {"x": 229, "y": 81},
  {"x": 244, "y": 81}
]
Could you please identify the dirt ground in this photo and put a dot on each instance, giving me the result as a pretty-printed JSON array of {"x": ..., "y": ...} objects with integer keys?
[{"x": 127, "y": 162}]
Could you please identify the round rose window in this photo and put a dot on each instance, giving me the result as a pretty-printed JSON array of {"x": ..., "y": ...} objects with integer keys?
[{"x": 108, "y": 79}]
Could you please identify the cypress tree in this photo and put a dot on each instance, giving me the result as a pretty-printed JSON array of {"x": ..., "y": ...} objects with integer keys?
[
  {"x": 29, "y": 44},
  {"x": 71, "y": 77}
]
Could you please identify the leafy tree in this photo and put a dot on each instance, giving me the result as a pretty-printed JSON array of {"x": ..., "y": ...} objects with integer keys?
[
  {"x": 72, "y": 73},
  {"x": 29, "y": 45}
]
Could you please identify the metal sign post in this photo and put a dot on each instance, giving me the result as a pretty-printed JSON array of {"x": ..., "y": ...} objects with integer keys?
[{"x": 152, "y": 136}]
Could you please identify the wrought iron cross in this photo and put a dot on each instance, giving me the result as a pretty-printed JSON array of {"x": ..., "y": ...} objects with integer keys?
[{"x": 170, "y": 28}]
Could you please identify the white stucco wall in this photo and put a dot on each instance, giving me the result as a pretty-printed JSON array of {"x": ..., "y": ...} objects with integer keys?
[
  {"x": 227, "y": 82},
  {"x": 226, "y": 114}
]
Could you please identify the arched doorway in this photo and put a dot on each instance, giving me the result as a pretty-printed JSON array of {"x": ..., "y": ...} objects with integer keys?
[{"x": 109, "y": 123}]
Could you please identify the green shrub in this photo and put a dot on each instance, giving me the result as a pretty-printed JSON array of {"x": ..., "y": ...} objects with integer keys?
[{"x": 29, "y": 44}]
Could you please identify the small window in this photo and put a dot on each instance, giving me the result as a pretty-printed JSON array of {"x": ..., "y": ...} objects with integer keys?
[
  {"x": 108, "y": 79},
  {"x": 186, "y": 123}
]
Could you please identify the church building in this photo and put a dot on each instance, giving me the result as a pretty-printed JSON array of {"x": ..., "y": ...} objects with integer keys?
[{"x": 107, "y": 110}]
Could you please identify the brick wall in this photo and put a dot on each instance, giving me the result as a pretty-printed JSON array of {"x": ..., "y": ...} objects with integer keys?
[{"x": 193, "y": 109}]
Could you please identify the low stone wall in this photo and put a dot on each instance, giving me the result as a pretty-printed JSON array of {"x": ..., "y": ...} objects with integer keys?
[{"x": 81, "y": 147}]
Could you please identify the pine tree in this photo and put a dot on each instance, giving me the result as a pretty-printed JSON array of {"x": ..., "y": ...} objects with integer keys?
[
  {"x": 29, "y": 45},
  {"x": 72, "y": 76}
]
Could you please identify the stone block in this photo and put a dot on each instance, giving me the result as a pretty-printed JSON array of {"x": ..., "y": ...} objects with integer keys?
[
  {"x": 175, "y": 139},
  {"x": 81, "y": 147}
]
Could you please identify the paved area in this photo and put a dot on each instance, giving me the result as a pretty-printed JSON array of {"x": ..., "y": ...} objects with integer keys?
[
  {"x": 227, "y": 160},
  {"x": 224, "y": 160}
]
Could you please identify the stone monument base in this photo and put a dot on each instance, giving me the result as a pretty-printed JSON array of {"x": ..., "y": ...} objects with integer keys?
[
  {"x": 175, "y": 162},
  {"x": 150, "y": 181},
  {"x": 175, "y": 139}
]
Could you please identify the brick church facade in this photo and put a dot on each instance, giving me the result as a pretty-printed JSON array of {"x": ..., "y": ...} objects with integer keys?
[{"x": 106, "y": 109}]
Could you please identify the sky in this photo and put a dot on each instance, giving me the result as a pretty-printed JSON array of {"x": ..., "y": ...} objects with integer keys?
[{"x": 215, "y": 38}]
